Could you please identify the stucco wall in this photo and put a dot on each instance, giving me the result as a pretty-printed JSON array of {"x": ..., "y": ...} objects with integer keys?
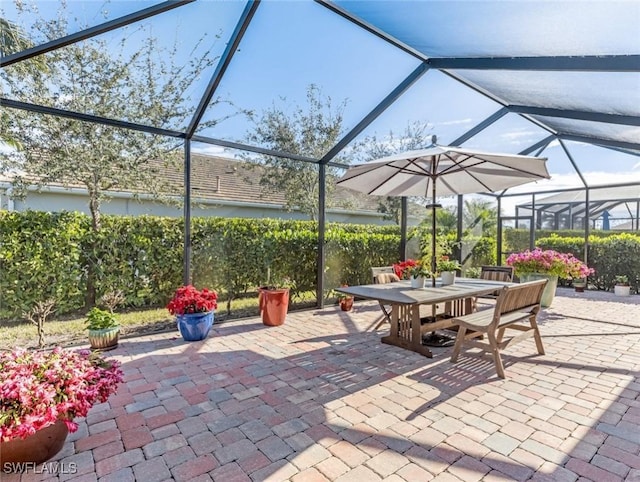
[{"x": 63, "y": 200}]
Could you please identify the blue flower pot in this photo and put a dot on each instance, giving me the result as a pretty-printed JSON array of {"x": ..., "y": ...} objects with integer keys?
[{"x": 195, "y": 326}]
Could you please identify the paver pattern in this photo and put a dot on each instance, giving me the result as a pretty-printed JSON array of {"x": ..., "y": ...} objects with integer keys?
[{"x": 320, "y": 398}]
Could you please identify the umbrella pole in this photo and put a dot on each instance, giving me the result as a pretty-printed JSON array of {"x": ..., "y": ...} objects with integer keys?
[
  {"x": 434, "y": 339},
  {"x": 433, "y": 232}
]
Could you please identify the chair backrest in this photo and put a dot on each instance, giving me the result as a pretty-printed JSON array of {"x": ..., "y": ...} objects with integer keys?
[
  {"x": 377, "y": 271},
  {"x": 497, "y": 273},
  {"x": 523, "y": 297},
  {"x": 382, "y": 278}
]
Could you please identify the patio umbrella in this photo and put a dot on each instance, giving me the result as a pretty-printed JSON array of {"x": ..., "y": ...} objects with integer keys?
[{"x": 442, "y": 170}]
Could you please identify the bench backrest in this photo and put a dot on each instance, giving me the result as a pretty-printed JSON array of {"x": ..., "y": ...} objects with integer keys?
[{"x": 523, "y": 297}]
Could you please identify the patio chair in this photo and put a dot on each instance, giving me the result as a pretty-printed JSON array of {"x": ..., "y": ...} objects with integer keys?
[
  {"x": 380, "y": 275},
  {"x": 494, "y": 273},
  {"x": 515, "y": 305}
]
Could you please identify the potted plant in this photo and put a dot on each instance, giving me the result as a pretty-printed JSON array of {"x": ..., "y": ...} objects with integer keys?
[
  {"x": 194, "y": 311},
  {"x": 414, "y": 270},
  {"x": 622, "y": 287},
  {"x": 447, "y": 269},
  {"x": 42, "y": 392},
  {"x": 547, "y": 264},
  {"x": 345, "y": 301},
  {"x": 103, "y": 329},
  {"x": 579, "y": 284},
  {"x": 273, "y": 300}
]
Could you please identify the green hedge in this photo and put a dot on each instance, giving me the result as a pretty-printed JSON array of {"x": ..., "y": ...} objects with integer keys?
[
  {"x": 46, "y": 255},
  {"x": 617, "y": 254},
  {"x": 515, "y": 240},
  {"x": 41, "y": 257}
]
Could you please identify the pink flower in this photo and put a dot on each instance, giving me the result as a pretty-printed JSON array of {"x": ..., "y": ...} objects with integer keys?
[
  {"x": 39, "y": 388},
  {"x": 563, "y": 265}
]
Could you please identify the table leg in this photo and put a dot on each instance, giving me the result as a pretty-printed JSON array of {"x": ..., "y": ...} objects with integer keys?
[{"x": 405, "y": 329}]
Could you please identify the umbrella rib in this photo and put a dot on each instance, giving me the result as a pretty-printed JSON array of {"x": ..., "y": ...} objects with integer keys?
[
  {"x": 481, "y": 161},
  {"x": 523, "y": 171},
  {"x": 464, "y": 169},
  {"x": 399, "y": 171}
]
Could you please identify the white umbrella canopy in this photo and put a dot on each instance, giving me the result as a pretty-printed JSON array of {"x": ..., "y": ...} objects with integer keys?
[
  {"x": 450, "y": 170},
  {"x": 443, "y": 171}
]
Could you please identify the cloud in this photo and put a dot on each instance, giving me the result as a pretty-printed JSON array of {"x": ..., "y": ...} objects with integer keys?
[
  {"x": 210, "y": 150},
  {"x": 453, "y": 122}
]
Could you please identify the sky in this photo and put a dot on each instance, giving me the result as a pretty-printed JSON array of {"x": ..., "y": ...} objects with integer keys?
[{"x": 292, "y": 44}]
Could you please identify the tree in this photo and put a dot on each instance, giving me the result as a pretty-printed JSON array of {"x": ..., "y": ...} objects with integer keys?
[
  {"x": 146, "y": 86},
  {"x": 310, "y": 131},
  {"x": 480, "y": 216},
  {"x": 415, "y": 136},
  {"x": 12, "y": 40}
]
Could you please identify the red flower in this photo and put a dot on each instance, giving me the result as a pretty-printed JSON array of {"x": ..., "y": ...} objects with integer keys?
[
  {"x": 402, "y": 269},
  {"x": 187, "y": 299}
]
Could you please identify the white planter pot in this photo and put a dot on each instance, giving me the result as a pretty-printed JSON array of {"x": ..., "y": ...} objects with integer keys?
[
  {"x": 620, "y": 290},
  {"x": 417, "y": 282},
  {"x": 448, "y": 277}
]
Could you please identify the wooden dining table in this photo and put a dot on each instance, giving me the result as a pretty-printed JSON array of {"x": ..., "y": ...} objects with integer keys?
[{"x": 407, "y": 327}]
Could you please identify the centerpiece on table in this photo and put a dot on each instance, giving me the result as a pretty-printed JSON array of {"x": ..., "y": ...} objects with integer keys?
[
  {"x": 40, "y": 395},
  {"x": 194, "y": 311},
  {"x": 415, "y": 270},
  {"x": 547, "y": 264},
  {"x": 447, "y": 269}
]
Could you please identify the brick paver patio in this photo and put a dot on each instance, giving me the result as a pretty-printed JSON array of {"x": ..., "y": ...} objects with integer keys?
[{"x": 321, "y": 398}]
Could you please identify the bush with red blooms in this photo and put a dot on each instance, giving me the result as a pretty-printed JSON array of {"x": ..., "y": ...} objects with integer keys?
[{"x": 187, "y": 299}]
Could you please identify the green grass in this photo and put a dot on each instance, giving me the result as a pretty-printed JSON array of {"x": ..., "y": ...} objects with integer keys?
[{"x": 70, "y": 330}]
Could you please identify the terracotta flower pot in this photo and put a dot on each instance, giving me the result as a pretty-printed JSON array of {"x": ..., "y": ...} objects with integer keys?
[
  {"x": 37, "y": 448},
  {"x": 274, "y": 305},
  {"x": 346, "y": 304}
]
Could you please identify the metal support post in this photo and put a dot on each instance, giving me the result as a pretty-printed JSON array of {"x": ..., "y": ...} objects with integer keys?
[
  {"x": 459, "y": 227},
  {"x": 532, "y": 223},
  {"x": 186, "y": 273},
  {"x": 322, "y": 193},
  {"x": 499, "y": 233},
  {"x": 403, "y": 227},
  {"x": 586, "y": 227}
]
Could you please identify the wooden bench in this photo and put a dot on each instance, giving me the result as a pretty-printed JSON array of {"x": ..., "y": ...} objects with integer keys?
[{"x": 515, "y": 306}]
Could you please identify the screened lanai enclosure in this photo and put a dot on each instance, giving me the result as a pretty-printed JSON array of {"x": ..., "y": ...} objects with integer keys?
[{"x": 303, "y": 89}]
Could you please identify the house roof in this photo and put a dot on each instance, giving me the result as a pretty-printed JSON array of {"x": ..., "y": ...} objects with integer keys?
[
  {"x": 227, "y": 179},
  {"x": 217, "y": 178}
]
